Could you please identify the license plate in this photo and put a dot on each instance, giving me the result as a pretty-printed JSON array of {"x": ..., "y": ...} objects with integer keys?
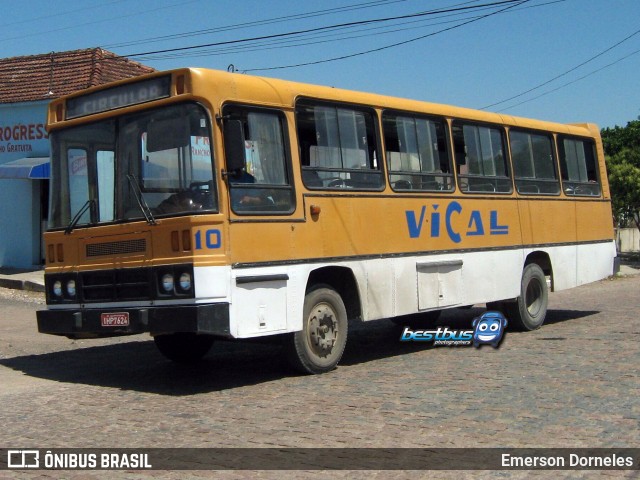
[{"x": 120, "y": 319}]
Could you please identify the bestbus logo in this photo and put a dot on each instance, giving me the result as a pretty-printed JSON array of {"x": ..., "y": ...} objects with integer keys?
[
  {"x": 439, "y": 220},
  {"x": 488, "y": 329},
  {"x": 440, "y": 336}
]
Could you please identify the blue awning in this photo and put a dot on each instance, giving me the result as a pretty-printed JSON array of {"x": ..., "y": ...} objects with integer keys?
[{"x": 29, "y": 168}]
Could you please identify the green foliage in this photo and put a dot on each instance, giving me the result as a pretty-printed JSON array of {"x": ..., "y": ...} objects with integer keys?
[
  {"x": 618, "y": 138},
  {"x": 624, "y": 182},
  {"x": 622, "y": 146}
]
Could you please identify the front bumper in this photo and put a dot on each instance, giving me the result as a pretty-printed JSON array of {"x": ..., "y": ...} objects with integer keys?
[{"x": 210, "y": 319}]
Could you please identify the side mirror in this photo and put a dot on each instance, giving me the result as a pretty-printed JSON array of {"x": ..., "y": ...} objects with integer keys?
[{"x": 234, "y": 145}]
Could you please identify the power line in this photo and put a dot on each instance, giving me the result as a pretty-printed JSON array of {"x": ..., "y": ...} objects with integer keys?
[
  {"x": 571, "y": 82},
  {"x": 511, "y": 3},
  {"x": 608, "y": 49},
  {"x": 325, "y": 28},
  {"x": 313, "y": 38},
  {"x": 59, "y": 14},
  {"x": 268, "y": 21},
  {"x": 119, "y": 17},
  {"x": 386, "y": 47}
]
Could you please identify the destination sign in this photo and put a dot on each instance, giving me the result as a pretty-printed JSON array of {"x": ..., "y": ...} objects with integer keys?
[{"x": 116, "y": 97}]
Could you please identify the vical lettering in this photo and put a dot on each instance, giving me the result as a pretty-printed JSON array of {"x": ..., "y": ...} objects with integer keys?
[{"x": 474, "y": 219}]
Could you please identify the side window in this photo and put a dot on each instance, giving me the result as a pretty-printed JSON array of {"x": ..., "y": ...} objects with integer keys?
[
  {"x": 480, "y": 159},
  {"x": 579, "y": 167},
  {"x": 533, "y": 163},
  {"x": 338, "y": 147},
  {"x": 263, "y": 185},
  {"x": 416, "y": 150}
]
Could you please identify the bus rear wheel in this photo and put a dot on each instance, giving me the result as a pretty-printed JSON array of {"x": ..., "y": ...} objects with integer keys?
[
  {"x": 318, "y": 347},
  {"x": 183, "y": 347},
  {"x": 529, "y": 310}
]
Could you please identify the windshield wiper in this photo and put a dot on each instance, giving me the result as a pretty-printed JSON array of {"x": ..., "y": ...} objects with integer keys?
[
  {"x": 144, "y": 207},
  {"x": 88, "y": 204}
]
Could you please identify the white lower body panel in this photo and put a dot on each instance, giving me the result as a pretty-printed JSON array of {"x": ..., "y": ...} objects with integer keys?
[{"x": 269, "y": 300}]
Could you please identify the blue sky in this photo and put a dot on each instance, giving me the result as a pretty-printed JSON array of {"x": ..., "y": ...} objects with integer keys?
[{"x": 474, "y": 65}]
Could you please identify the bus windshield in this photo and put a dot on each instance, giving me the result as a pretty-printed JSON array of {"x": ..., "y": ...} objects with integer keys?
[{"x": 156, "y": 163}]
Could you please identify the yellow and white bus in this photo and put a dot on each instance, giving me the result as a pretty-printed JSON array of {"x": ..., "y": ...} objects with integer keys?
[{"x": 196, "y": 204}]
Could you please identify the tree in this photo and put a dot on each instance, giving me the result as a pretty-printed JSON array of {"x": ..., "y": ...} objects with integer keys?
[
  {"x": 622, "y": 149},
  {"x": 624, "y": 182},
  {"x": 618, "y": 138}
]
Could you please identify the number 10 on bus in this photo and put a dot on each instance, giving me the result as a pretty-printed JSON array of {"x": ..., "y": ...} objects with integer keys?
[{"x": 209, "y": 239}]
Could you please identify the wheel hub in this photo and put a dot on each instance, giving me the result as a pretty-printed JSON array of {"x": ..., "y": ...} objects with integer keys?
[{"x": 323, "y": 332}]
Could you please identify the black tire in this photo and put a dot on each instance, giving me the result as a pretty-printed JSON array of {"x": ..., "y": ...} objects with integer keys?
[
  {"x": 318, "y": 347},
  {"x": 418, "y": 320},
  {"x": 184, "y": 347},
  {"x": 530, "y": 308}
]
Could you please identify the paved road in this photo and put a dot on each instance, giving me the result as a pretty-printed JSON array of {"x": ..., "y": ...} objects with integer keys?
[{"x": 573, "y": 383}]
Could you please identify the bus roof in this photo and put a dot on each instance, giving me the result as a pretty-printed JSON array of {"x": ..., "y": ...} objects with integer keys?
[
  {"x": 284, "y": 92},
  {"x": 276, "y": 92}
]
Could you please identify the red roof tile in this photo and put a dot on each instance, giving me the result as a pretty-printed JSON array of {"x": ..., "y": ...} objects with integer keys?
[{"x": 50, "y": 75}]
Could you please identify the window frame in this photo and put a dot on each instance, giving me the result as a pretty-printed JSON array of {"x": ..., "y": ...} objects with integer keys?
[
  {"x": 448, "y": 152},
  {"x": 280, "y": 114},
  {"x": 554, "y": 160},
  {"x": 563, "y": 167},
  {"x": 506, "y": 158},
  {"x": 341, "y": 182}
]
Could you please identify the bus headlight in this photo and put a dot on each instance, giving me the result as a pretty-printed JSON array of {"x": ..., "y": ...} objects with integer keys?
[
  {"x": 167, "y": 282},
  {"x": 71, "y": 288},
  {"x": 57, "y": 288},
  {"x": 185, "y": 282},
  {"x": 174, "y": 281}
]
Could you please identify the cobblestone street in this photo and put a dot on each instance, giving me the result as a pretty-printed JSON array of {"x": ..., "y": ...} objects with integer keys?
[{"x": 572, "y": 383}]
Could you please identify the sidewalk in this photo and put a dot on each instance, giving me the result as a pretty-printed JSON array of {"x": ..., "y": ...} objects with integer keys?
[
  {"x": 33, "y": 280},
  {"x": 18, "y": 279}
]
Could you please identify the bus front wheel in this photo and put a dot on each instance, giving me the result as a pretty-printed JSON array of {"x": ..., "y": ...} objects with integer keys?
[
  {"x": 529, "y": 310},
  {"x": 318, "y": 347},
  {"x": 183, "y": 347}
]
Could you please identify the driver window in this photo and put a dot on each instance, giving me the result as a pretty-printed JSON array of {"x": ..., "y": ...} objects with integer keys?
[{"x": 263, "y": 184}]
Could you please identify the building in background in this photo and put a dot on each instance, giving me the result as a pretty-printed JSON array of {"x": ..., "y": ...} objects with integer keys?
[{"x": 27, "y": 84}]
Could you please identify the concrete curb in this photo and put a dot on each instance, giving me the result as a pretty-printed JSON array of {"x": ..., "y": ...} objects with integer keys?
[{"x": 16, "y": 284}]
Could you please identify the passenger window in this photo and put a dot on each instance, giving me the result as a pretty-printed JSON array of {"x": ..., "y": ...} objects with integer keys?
[
  {"x": 480, "y": 159},
  {"x": 263, "y": 185},
  {"x": 416, "y": 150},
  {"x": 579, "y": 167},
  {"x": 338, "y": 147},
  {"x": 533, "y": 163}
]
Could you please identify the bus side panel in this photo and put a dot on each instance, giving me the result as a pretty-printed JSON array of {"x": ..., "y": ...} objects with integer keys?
[
  {"x": 405, "y": 285},
  {"x": 594, "y": 223},
  {"x": 595, "y": 261},
  {"x": 260, "y": 301}
]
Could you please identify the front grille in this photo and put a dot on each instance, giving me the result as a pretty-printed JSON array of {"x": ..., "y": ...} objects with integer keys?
[
  {"x": 117, "y": 285},
  {"x": 117, "y": 248}
]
